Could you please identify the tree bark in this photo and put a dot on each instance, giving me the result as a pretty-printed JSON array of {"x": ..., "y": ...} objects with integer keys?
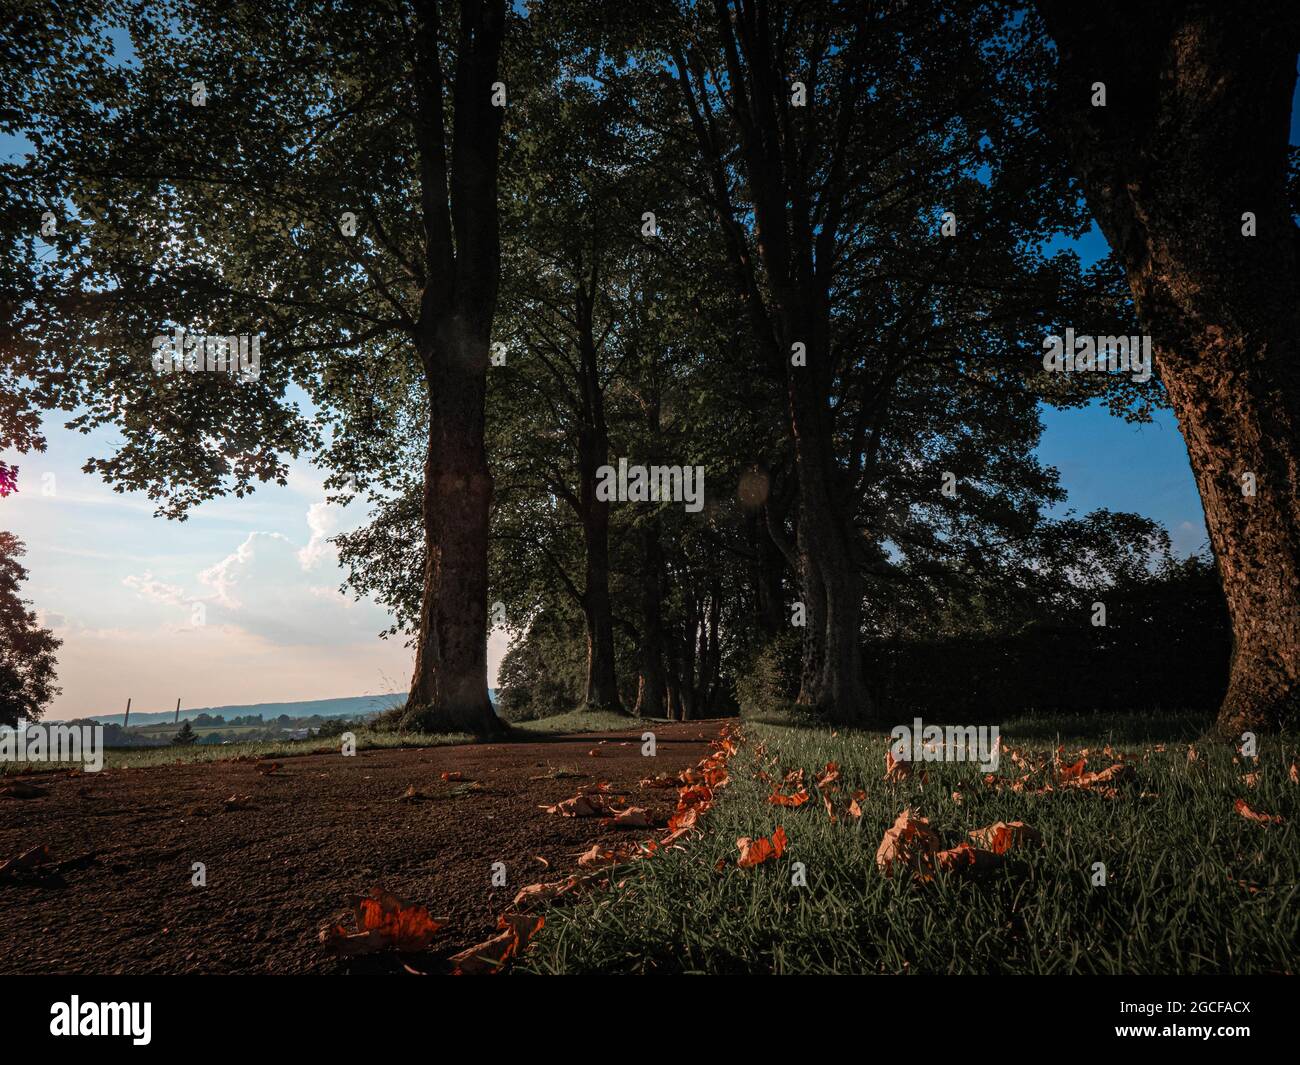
[
  {"x": 462, "y": 258},
  {"x": 652, "y": 693},
  {"x": 593, "y": 452},
  {"x": 766, "y": 576},
  {"x": 602, "y": 684},
  {"x": 1194, "y": 134}
]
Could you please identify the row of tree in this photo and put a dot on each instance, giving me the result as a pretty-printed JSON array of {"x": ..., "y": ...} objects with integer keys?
[{"x": 805, "y": 245}]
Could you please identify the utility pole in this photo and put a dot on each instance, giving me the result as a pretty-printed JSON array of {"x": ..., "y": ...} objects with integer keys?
[
  {"x": 127, "y": 716},
  {"x": 178, "y": 711}
]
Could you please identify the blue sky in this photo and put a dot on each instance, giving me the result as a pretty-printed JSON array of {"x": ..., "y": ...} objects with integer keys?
[
  {"x": 121, "y": 587},
  {"x": 1107, "y": 462}
]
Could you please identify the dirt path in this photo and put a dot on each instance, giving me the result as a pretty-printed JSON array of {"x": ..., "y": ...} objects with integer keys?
[{"x": 318, "y": 830}]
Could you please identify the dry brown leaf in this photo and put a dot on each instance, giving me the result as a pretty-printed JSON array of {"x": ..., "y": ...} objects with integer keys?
[
  {"x": 544, "y": 892},
  {"x": 680, "y": 823},
  {"x": 1103, "y": 783},
  {"x": 756, "y": 851},
  {"x": 382, "y": 921},
  {"x": 597, "y": 856},
  {"x": 797, "y": 798},
  {"x": 910, "y": 843},
  {"x": 1071, "y": 772},
  {"x": 631, "y": 817},
  {"x": 1001, "y": 836},
  {"x": 490, "y": 957},
  {"x": 897, "y": 770},
  {"x": 579, "y": 805},
  {"x": 1251, "y": 815},
  {"x": 963, "y": 858}
]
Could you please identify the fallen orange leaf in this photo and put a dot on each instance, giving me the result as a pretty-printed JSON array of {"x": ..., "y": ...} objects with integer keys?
[
  {"x": 1072, "y": 772},
  {"x": 1001, "y": 836},
  {"x": 798, "y": 798},
  {"x": 491, "y": 956},
  {"x": 1251, "y": 815},
  {"x": 631, "y": 817},
  {"x": 910, "y": 842},
  {"x": 897, "y": 770},
  {"x": 382, "y": 921},
  {"x": 756, "y": 851},
  {"x": 964, "y": 858},
  {"x": 579, "y": 805},
  {"x": 1103, "y": 782}
]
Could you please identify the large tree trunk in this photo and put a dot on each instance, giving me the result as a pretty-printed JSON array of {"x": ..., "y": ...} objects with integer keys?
[
  {"x": 689, "y": 645},
  {"x": 1194, "y": 134},
  {"x": 462, "y": 259},
  {"x": 652, "y": 693},
  {"x": 833, "y": 580},
  {"x": 766, "y": 576},
  {"x": 602, "y": 685},
  {"x": 449, "y": 688},
  {"x": 709, "y": 650},
  {"x": 593, "y": 453}
]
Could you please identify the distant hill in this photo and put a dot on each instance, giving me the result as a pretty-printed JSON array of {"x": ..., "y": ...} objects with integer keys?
[{"x": 350, "y": 706}]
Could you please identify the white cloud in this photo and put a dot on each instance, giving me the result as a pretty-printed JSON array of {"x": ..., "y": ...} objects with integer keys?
[
  {"x": 324, "y": 520},
  {"x": 231, "y": 570},
  {"x": 156, "y": 591}
]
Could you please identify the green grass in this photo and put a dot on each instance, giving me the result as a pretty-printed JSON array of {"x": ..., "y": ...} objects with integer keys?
[
  {"x": 1171, "y": 903},
  {"x": 581, "y": 721},
  {"x": 367, "y": 739}
]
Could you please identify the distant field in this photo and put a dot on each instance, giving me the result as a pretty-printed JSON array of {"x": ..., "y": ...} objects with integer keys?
[
  {"x": 139, "y": 757},
  {"x": 168, "y": 730}
]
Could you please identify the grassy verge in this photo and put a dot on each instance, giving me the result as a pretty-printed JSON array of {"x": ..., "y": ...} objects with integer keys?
[
  {"x": 1192, "y": 887},
  {"x": 367, "y": 739}
]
